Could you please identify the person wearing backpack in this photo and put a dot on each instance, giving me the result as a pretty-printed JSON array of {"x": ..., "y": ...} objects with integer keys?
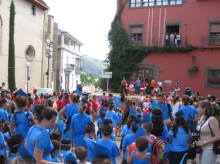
[
  {"x": 209, "y": 133},
  {"x": 189, "y": 112},
  {"x": 160, "y": 130},
  {"x": 71, "y": 110},
  {"x": 179, "y": 139},
  {"x": 164, "y": 106},
  {"x": 22, "y": 120}
]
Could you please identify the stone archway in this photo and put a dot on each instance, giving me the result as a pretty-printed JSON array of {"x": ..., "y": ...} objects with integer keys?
[{"x": 147, "y": 70}]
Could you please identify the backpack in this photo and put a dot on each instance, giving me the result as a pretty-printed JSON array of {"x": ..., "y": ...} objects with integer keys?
[
  {"x": 216, "y": 146},
  {"x": 68, "y": 122},
  {"x": 157, "y": 150}
]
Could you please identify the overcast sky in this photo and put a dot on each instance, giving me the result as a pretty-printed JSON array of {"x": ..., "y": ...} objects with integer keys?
[{"x": 87, "y": 20}]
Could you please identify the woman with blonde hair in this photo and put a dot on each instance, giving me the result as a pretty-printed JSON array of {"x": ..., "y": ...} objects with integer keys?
[{"x": 208, "y": 128}]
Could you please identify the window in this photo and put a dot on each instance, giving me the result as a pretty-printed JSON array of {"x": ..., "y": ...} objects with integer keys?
[
  {"x": 136, "y": 35},
  {"x": 175, "y": 2},
  {"x": 213, "y": 77},
  {"x": 215, "y": 34},
  {"x": 136, "y": 3},
  {"x": 33, "y": 10},
  {"x": 30, "y": 53},
  {"x": 149, "y": 3},
  {"x": 172, "y": 28}
]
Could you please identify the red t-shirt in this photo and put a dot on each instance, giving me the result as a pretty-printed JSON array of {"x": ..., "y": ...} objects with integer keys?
[
  {"x": 60, "y": 104},
  {"x": 124, "y": 83},
  {"x": 95, "y": 105}
]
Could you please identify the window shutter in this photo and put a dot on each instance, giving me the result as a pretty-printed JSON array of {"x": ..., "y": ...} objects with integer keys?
[
  {"x": 215, "y": 28},
  {"x": 136, "y": 30}
]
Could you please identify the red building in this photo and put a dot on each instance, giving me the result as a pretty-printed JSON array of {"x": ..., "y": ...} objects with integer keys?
[{"x": 197, "y": 21}]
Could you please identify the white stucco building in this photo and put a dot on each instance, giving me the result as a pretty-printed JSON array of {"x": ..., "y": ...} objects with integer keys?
[
  {"x": 29, "y": 40},
  {"x": 69, "y": 63}
]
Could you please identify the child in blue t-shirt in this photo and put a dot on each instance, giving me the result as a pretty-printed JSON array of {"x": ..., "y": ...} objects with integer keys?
[
  {"x": 167, "y": 144},
  {"x": 2, "y": 141},
  {"x": 99, "y": 121},
  {"x": 14, "y": 143},
  {"x": 56, "y": 151},
  {"x": 89, "y": 133},
  {"x": 129, "y": 139},
  {"x": 107, "y": 129},
  {"x": 65, "y": 149},
  {"x": 140, "y": 156},
  {"x": 118, "y": 120},
  {"x": 179, "y": 138}
]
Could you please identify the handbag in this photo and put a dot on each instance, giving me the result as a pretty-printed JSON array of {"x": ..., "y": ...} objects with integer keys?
[{"x": 216, "y": 145}]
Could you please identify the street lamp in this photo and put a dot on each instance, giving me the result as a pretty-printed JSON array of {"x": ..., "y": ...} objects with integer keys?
[
  {"x": 49, "y": 50},
  {"x": 28, "y": 75}
]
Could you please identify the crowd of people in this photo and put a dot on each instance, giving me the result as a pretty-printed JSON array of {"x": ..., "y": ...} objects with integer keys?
[
  {"x": 69, "y": 128},
  {"x": 173, "y": 39},
  {"x": 146, "y": 86}
]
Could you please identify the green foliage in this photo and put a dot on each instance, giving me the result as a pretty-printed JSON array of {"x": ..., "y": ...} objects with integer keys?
[
  {"x": 123, "y": 58},
  {"x": 11, "y": 51},
  {"x": 84, "y": 78},
  {"x": 91, "y": 80},
  {"x": 193, "y": 69}
]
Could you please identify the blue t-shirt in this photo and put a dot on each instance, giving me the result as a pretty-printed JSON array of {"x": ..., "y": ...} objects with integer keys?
[
  {"x": 3, "y": 115},
  {"x": 89, "y": 149},
  {"x": 127, "y": 141},
  {"x": 55, "y": 159},
  {"x": 125, "y": 131},
  {"x": 12, "y": 156},
  {"x": 2, "y": 141},
  {"x": 65, "y": 154},
  {"x": 163, "y": 107},
  {"x": 164, "y": 137},
  {"x": 111, "y": 114},
  {"x": 112, "y": 146},
  {"x": 180, "y": 142},
  {"x": 33, "y": 133},
  {"x": 118, "y": 118},
  {"x": 139, "y": 161},
  {"x": 78, "y": 124},
  {"x": 138, "y": 83},
  {"x": 112, "y": 136},
  {"x": 188, "y": 110},
  {"x": 23, "y": 124},
  {"x": 147, "y": 118},
  {"x": 99, "y": 121},
  {"x": 71, "y": 109}
]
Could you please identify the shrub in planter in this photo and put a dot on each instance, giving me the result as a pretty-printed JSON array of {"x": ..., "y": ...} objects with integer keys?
[{"x": 193, "y": 69}]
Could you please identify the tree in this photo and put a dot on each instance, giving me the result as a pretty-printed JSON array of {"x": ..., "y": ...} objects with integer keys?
[
  {"x": 84, "y": 78},
  {"x": 11, "y": 49}
]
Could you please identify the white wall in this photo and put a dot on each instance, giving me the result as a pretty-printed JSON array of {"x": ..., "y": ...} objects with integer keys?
[{"x": 29, "y": 30}]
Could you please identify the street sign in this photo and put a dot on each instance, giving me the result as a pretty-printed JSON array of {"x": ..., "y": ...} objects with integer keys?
[
  {"x": 104, "y": 76},
  {"x": 168, "y": 81},
  {"x": 108, "y": 73}
]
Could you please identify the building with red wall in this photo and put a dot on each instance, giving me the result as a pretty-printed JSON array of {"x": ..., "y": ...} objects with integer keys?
[{"x": 197, "y": 21}]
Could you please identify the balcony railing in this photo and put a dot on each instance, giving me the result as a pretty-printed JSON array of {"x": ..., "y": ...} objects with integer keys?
[
  {"x": 70, "y": 67},
  {"x": 202, "y": 41},
  {"x": 79, "y": 69}
]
